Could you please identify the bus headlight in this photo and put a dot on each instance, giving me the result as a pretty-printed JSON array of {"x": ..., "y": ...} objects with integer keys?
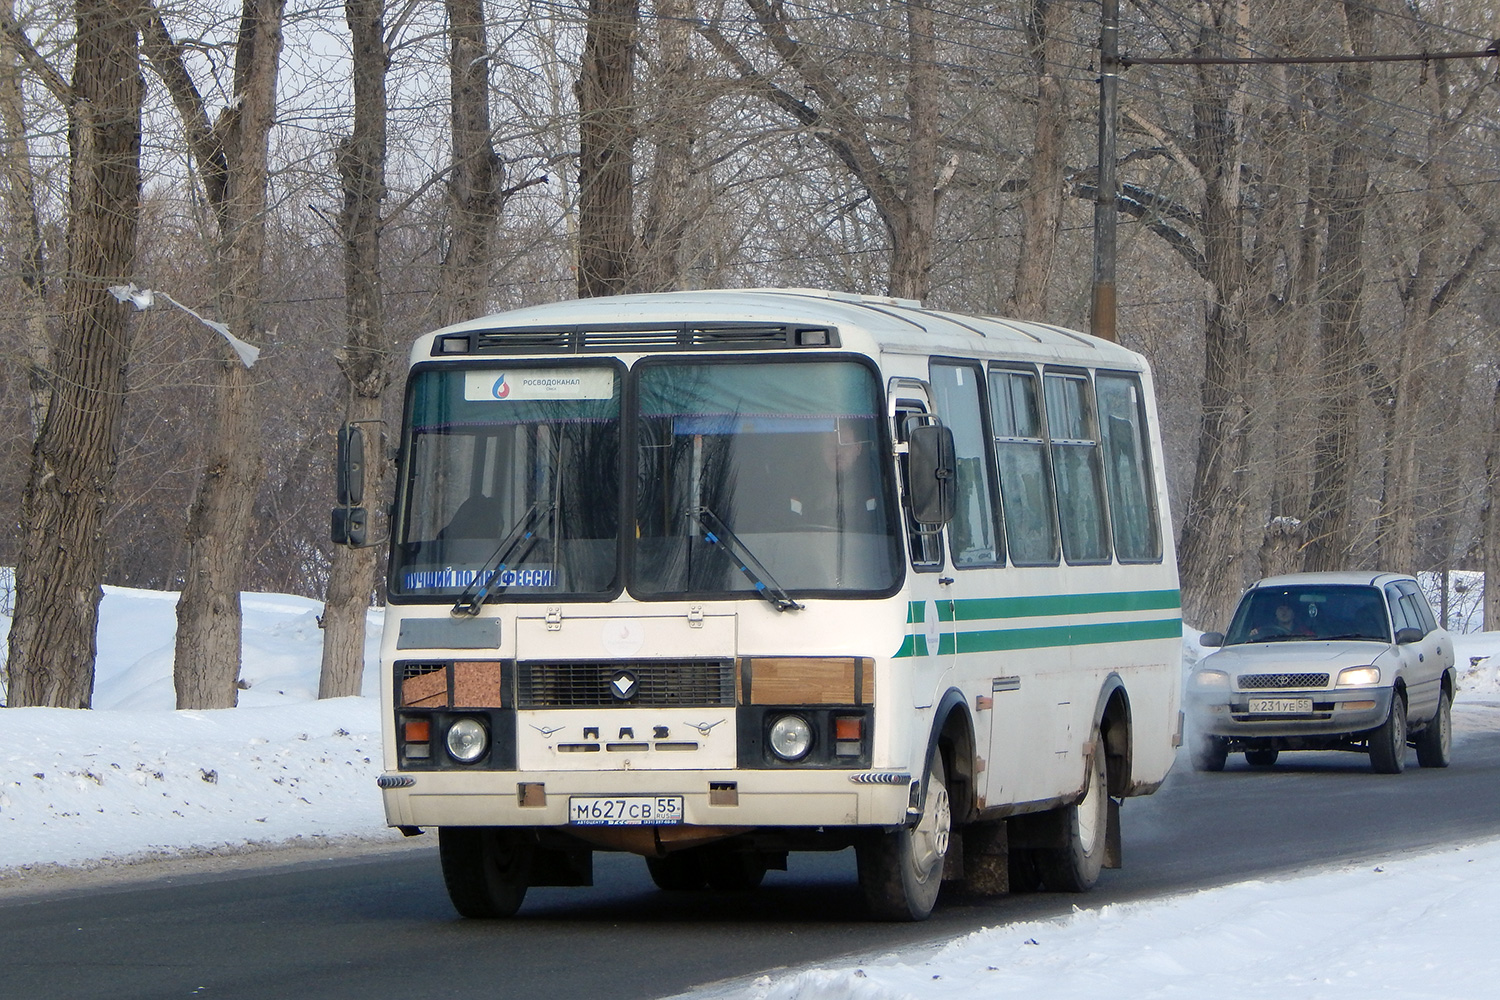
[
  {"x": 467, "y": 741},
  {"x": 791, "y": 737}
]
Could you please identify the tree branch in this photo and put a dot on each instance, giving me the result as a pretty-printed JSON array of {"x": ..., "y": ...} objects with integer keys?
[{"x": 51, "y": 78}]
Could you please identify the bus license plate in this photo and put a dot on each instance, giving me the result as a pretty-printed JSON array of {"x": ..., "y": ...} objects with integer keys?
[
  {"x": 625, "y": 810},
  {"x": 1280, "y": 706}
]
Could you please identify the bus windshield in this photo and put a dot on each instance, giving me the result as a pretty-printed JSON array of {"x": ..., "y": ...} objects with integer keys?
[
  {"x": 785, "y": 455},
  {"x": 530, "y": 454},
  {"x": 752, "y": 480}
]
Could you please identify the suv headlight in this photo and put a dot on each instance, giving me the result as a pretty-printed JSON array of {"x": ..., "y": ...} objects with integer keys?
[
  {"x": 1359, "y": 676},
  {"x": 1206, "y": 679}
]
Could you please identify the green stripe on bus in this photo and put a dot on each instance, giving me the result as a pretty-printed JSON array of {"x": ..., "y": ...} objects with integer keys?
[
  {"x": 986, "y": 608},
  {"x": 1002, "y": 640},
  {"x": 913, "y": 645},
  {"x": 998, "y": 640}
]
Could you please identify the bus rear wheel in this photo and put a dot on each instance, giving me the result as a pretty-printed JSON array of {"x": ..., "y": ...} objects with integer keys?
[
  {"x": 485, "y": 869},
  {"x": 901, "y": 872},
  {"x": 680, "y": 872},
  {"x": 1075, "y": 866}
]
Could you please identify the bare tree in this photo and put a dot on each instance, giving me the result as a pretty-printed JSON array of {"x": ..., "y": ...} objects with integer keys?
[
  {"x": 1345, "y": 197},
  {"x": 606, "y": 147},
  {"x": 904, "y": 190},
  {"x": 52, "y": 635},
  {"x": 477, "y": 173},
  {"x": 673, "y": 124},
  {"x": 232, "y": 158},
  {"x": 363, "y": 362},
  {"x": 1042, "y": 202},
  {"x": 24, "y": 221},
  {"x": 1430, "y": 277}
]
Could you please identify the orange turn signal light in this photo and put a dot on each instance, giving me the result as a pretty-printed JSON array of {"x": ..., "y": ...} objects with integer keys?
[{"x": 848, "y": 727}]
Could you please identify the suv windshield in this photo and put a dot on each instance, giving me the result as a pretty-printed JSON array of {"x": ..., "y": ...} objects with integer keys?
[
  {"x": 786, "y": 455},
  {"x": 1288, "y": 614},
  {"x": 490, "y": 451}
]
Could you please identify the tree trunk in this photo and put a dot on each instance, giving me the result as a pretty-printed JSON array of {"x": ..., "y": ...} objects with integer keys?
[
  {"x": 1489, "y": 518},
  {"x": 206, "y": 666},
  {"x": 1214, "y": 532},
  {"x": 912, "y": 239},
  {"x": 1336, "y": 447},
  {"x": 26, "y": 230},
  {"x": 1041, "y": 205},
  {"x": 606, "y": 142},
  {"x": 363, "y": 361},
  {"x": 473, "y": 191},
  {"x": 52, "y": 635},
  {"x": 673, "y": 125}
]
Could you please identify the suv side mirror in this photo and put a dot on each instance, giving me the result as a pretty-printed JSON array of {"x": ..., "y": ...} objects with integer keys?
[
  {"x": 930, "y": 464},
  {"x": 1408, "y": 634},
  {"x": 1211, "y": 639}
]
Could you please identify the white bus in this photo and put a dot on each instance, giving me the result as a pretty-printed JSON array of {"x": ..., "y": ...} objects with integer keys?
[{"x": 715, "y": 576}]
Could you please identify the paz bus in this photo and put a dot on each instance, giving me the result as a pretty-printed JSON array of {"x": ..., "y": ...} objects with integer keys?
[{"x": 716, "y": 576}]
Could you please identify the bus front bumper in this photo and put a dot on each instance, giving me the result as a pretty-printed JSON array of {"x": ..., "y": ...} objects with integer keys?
[{"x": 738, "y": 799}]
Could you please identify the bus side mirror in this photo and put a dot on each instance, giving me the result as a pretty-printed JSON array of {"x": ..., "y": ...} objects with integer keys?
[
  {"x": 351, "y": 466},
  {"x": 350, "y": 526},
  {"x": 931, "y": 463},
  {"x": 351, "y": 520}
]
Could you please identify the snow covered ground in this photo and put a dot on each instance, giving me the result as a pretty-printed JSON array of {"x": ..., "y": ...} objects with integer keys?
[{"x": 135, "y": 779}]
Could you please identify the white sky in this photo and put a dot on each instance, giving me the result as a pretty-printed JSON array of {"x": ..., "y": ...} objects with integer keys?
[{"x": 134, "y": 778}]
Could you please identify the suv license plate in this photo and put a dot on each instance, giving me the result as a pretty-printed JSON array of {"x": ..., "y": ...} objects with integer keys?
[
  {"x": 1281, "y": 706},
  {"x": 625, "y": 810}
]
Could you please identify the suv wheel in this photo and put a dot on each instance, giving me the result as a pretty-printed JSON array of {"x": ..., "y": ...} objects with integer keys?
[
  {"x": 1435, "y": 743},
  {"x": 1209, "y": 753},
  {"x": 1388, "y": 740}
]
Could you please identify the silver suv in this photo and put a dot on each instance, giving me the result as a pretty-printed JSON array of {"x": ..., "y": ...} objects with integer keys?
[{"x": 1326, "y": 661}]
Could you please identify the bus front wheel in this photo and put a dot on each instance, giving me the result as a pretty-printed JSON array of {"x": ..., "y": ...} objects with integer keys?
[
  {"x": 485, "y": 868},
  {"x": 901, "y": 872}
]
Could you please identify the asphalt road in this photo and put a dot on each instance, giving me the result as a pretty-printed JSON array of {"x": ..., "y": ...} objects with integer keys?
[{"x": 381, "y": 926}]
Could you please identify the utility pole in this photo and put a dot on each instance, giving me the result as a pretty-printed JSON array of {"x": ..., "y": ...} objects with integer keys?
[{"x": 1102, "y": 307}]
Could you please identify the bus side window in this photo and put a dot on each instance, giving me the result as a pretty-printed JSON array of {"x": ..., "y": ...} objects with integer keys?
[
  {"x": 1127, "y": 468},
  {"x": 956, "y": 390},
  {"x": 1075, "y": 467},
  {"x": 926, "y": 540},
  {"x": 1025, "y": 472}
]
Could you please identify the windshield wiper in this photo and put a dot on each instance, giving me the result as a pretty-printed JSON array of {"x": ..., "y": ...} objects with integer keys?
[
  {"x": 515, "y": 545},
  {"x": 716, "y": 532}
]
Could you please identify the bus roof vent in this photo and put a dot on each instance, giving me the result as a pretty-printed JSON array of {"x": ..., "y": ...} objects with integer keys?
[
  {"x": 522, "y": 341},
  {"x": 632, "y": 337}
]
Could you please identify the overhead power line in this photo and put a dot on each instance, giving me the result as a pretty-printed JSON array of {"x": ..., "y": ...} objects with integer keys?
[{"x": 1128, "y": 61}]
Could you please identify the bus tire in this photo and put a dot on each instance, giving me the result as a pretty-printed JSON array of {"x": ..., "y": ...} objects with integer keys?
[
  {"x": 485, "y": 869},
  {"x": 1075, "y": 866},
  {"x": 901, "y": 872},
  {"x": 735, "y": 871},
  {"x": 680, "y": 872}
]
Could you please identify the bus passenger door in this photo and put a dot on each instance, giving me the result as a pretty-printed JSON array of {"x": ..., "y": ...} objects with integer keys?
[{"x": 930, "y": 623}]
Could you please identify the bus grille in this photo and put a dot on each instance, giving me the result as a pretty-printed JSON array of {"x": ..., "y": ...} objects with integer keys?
[
  {"x": 658, "y": 684},
  {"x": 1255, "y": 682}
]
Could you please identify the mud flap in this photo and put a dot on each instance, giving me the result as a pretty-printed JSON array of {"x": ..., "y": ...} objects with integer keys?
[{"x": 1113, "y": 857}]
